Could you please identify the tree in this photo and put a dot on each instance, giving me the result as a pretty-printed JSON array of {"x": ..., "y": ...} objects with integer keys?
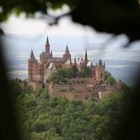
[
  {"x": 109, "y": 78},
  {"x": 59, "y": 118},
  {"x": 14, "y": 84},
  {"x": 30, "y": 7},
  {"x": 86, "y": 72},
  {"x": 61, "y": 75},
  {"x": 112, "y": 16}
]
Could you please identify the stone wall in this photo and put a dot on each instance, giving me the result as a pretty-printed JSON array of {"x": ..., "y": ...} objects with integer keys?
[
  {"x": 81, "y": 91},
  {"x": 36, "y": 85},
  {"x": 71, "y": 95}
]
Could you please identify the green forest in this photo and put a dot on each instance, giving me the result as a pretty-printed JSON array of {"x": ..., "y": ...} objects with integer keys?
[{"x": 57, "y": 118}]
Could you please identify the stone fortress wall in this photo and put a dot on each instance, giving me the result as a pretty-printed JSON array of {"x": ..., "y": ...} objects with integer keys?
[{"x": 81, "y": 90}]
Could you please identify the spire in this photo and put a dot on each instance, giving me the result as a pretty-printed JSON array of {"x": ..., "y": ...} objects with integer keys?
[
  {"x": 67, "y": 50},
  {"x": 32, "y": 57},
  {"x": 47, "y": 42},
  {"x": 86, "y": 59},
  {"x": 47, "y": 46}
]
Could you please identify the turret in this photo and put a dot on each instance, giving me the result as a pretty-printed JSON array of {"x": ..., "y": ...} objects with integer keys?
[
  {"x": 100, "y": 62},
  {"x": 75, "y": 60},
  {"x": 104, "y": 64}
]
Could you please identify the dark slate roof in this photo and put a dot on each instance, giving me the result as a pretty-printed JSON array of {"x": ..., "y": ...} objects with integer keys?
[{"x": 100, "y": 62}]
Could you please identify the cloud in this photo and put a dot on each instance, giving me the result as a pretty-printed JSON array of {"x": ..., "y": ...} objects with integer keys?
[
  {"x": 21, "y": 25},
  {"x": 30, "y": 33}
]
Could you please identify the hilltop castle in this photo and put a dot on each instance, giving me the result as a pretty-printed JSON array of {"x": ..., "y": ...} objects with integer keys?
[{"x": 40, "y": 71}]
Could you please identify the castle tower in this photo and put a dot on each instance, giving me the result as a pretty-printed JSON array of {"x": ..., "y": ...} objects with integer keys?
[
  {"x": 67, "y": 54},
  {"x": 45, "y": 55},
  {"x": 31, "y": 61},
  {"x": 100, "y": 71},
  {"x": 85, "y": 59},
  {"x": 47, "y": 47}
]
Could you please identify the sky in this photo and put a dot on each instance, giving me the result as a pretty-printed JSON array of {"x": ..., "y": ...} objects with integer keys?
[
  {"x": 23, "y": 34},
  {"x": 77, "y": 36}
]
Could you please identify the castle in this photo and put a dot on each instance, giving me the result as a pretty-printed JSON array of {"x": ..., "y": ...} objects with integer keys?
[{"x": 40, "y": 71}]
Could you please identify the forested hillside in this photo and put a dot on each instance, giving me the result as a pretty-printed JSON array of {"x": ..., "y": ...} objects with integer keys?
[{"x": 44, "y": 118}]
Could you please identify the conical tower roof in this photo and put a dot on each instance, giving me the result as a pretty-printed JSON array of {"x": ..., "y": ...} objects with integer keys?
[
  {"x": 47, "y": 42},
  {"x": 47, "y": 46},
  {"x": 67, "y": 50},
  {"x": 32, "y": 56}
]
